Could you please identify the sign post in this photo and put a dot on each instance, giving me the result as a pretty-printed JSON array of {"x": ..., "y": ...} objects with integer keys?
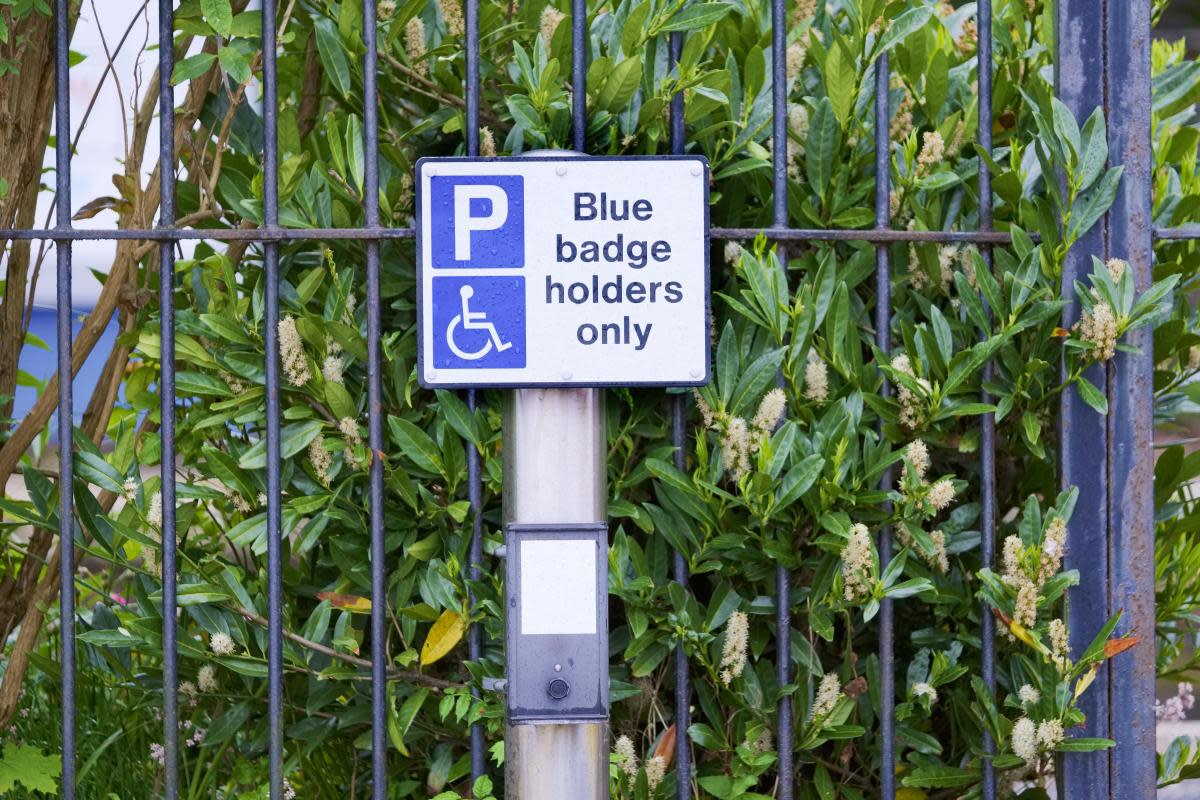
[
  {"x": 553, "y": 276},
  {"x": 554, "y": 455}
]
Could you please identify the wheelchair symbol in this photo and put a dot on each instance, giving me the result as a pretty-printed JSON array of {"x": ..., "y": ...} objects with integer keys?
[{"x": 473, "y": 321}]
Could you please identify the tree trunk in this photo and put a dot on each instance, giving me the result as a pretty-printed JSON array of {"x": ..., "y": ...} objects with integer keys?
[{"x": 26, "y": 110}]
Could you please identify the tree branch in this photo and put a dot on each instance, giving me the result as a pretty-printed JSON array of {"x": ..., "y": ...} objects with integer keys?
[{"x": 393, "y": 674}]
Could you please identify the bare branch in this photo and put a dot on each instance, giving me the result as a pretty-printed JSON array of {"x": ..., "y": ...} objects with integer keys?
[{"x": 393, "y": 674}]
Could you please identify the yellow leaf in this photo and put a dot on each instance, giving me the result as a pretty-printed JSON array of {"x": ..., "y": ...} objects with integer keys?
[
  {"x": 908, "y": 793},
  {"x": 442, "y": 637},
  {"x": 1022, "y": 633},
  {"x": 347, "y": 602},
  {"x": 1083, "y": 683}
]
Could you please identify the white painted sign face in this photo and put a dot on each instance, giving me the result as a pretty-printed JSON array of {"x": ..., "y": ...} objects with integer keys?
[
  {"x": 558, "y": 586},
  {"x": 563, "y": 271}
]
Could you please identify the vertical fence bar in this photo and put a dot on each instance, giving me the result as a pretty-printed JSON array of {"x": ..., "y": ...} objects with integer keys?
[
  {"x": 166, "y": 390},
  {"x": 1083, "y": 459},
  {"x": 379, "y": 654},
  {"x": 474, "y": 475},
  {"x": 475, "y": 557},
  {"x": 883, "y": 324},
  {"x": 779, "y": 219},
  {"x": 1131, "y": 408},
  {"x": 66, "y": 455},
  {"x": 988, "y": 423},
  {"x": 679, "y": 566},
  {"x": 274, "y": 511},
  {"x": 579, "y": 65}
]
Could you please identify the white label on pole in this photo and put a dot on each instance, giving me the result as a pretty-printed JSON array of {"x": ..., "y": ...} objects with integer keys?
[
  {"x": 563, "y": 271},
  {"x": 558, "y": 586}
]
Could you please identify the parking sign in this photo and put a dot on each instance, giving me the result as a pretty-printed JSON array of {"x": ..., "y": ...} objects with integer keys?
[{"x": 563, "y": 271}]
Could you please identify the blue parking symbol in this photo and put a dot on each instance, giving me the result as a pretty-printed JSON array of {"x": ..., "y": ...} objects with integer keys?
[
  {"x": 477, "y": 221},
  {"x": 478, "y": 322}
]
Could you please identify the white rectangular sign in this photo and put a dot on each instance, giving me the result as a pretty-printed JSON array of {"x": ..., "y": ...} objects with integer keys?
[
  {"x": 563, "y": 271},
  {"x": 558, "y": 586}
]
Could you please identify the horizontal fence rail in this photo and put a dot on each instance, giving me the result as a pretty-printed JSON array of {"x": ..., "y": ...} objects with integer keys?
[
  {"x": 270, "y": 236},
  {"x": 783, "y": 234}
]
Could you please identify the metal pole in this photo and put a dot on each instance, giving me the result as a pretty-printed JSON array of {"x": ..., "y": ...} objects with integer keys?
[
  {"x": 883, "y": 325},
  {"x": 66, "y": 416},
  {"x": 554, "y": 457},
  {"x": 1131, "y": 407},
  {"x": 1083, "y": 449}
]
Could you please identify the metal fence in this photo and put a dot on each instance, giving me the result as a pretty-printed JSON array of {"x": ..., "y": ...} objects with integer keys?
[{"x": 1103, "y": 60}]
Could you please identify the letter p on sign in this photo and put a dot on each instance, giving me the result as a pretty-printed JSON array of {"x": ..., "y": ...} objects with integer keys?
[
  {"x": 478, "y": 222},
  {"x": 465, "y": 222}
]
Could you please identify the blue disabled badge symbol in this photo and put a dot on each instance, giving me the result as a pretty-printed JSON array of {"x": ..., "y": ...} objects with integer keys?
[{"x": 479, "y": 322}]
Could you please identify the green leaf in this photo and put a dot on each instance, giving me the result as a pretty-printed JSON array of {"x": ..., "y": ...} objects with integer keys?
[
  {"x": 417, "y": 445},
  {"x": 25, "y": 764},
  {"x": 399, "y": 723},
  {"x": 482, "y": 788},
  {"x": 633, "y": 32},
  {"x": 799, "y": 479},
  {"x": 1065, "y": 125},
  {"x": 339, "y": 400},
  {"x": 292, "y": 439},
  {"x": 759, "y": 375},
  {"x": 226, "y": 328},
  {"x": 824, "y": 137},
  {"x": 98, "y": 472},
  {"x": 229, "y": 723},
  {"x": 194, "y": 594},
  {"x": 309, "y": 284},
  {"x": 669, "y": 474},
  {"x": 903, "y": 26},
  {"x": 697, "y": 16},
  {"x": 460, "y": 416},
  {"x": 524, "y": 114},
  {"x": 111, "y": 637},
  {"x": 200, "y": 384},
  {"x": 728, "y": 359},
  {"x": 191, "y": 67},
  {"x": 350, "y": 22},
  {"x": 235, "y": 64},
  {"x": 1092, "y": 204},
  {"x": 1091, "y": 395},
  {"x": 908, "y": 588},
  {"x": 1084, "y": 744},
  {"x": 941, "y": 334},
  {"x": 333, "y": 54},
  {"x": 755, "y": 73},
  {"x": 219, "y": 15},
  {"x": 621, "y": 85},
  {"x": 248, "y": 23},
  {"x": 840, "y": 76},
  {"x": 937, "y": 83},
  {"x": 1093, "y": 156},
  {"x": 941, "y": 777}
]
